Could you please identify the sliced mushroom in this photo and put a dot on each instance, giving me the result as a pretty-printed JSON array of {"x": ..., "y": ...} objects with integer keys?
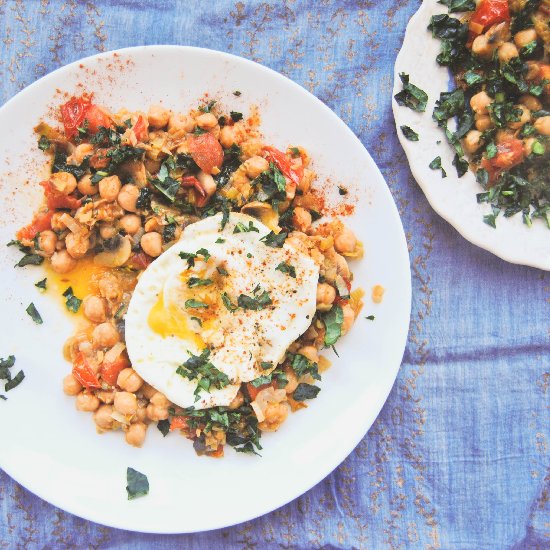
[
  {"x": 263, "y": 212},
  {"x": 117, "y": 256}
]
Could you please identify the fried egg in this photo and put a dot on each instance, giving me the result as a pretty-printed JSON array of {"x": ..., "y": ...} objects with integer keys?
[{"x": 223, "y": 293}]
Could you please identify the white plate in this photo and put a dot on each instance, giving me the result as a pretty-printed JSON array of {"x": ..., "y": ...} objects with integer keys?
[
  {"x": 53, "y": 450},
  {"x": 452, "y": 198}
]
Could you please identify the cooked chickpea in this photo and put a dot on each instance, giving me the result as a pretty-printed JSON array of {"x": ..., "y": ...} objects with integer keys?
[
  {"x": 542, "y": 125},
  {"x": 80, "y": 153},
  {"x": 483, "y": 122},
  {"x": 130, "y": 223},
  {"x": 531, "y": 102},
  {"x": 238, "y": 400},
  {"x": 206, "y": 121},
  {"x": 94, "y": 308},
  {"x": 147, "y": 391},
  {"x": 472, "y": 141},
  {"x": 141, "y": 414},
  {"x": 524, "y": 117},
  {"x": 109, "y": 288},
  {"x": 63, "y": 182},
  {"x": 156, "y": 413},
  {"x": 179, "y": 122},
  {"x": 207, "y": 182},
  {"x": 46, "y": 242},
  {"x": 71, "y": 386},
  {"x": 482, "y": 47},
  {"x": 86, "y": 402},
  {"x": 77, "y": 245},
  {"x": 158, "y": 116},
  {"x": 345, "y": 242},
  {"x": 62, "y": 262},
  {"x": 85, "y": 185},
  {"x": 292, "y": 379},
  {"x": 151, "y": 243},
  {"x": 275, "y": 414},
  {"x": 107, "y": 231},
  {"x": 377, "y": 293},
  {"x": 102, "y": 417},
  {"x": 56, "y": 223},
  {"x": 507, "y": 52},
  {"x": 522, "y": 38},
  {"x": 228, "y": 136},
  {"x": 301, "y": 219},
  {"x": 326, "y": 294},
  {"x": 125, "y": 402},
  {"x": 349, "y": 318},
  {"x": 533, "y": 70},
  {"x": 109, "y": 188},
  {"x": 105, "y": 335},
  {"x": 136, "y": 434},
  {"x": 128, "y": 196},
  {"x": 528, "y": 145},
  {"x": 254, "y": 166},
  {"x": 129, "y": 380},
  {"x": 106, "y": 396},
  {"x": 480, "y": 103},
  {"x": 309, "y": 352}
]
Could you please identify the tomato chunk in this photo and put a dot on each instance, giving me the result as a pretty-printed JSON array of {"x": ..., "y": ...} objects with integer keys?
[
  {"x": 110, "y": 371},
  {"x": 84, "y": 373},
  {"x": 178, "y": 423},
  {"x": 206, "y": 151},
  {"x": 284, "y": 164},
  {"x": 509, "y": 154},
  {"x": 40, "y": 222},
  {"x": 96, "y": 118},
  {"x": 139, "y": 261},
  {"x": 72, "y": 114},
  {"x": 54, "y": 199},
  {"x": 488, "y": 13},
  {"x": 141, "y": 129}
]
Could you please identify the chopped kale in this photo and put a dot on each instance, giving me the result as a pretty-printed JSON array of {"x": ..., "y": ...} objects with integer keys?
[
  {"x": 409, "y": 133},
  {"x": 411, "y": 96},
  {"x": 283, "y": 267},
  {"x": 138, "y": 484},
  {"x": 33, "y": 313},
  {"x": 72, "y": 303},
  {"x": 305, "y": 391}
]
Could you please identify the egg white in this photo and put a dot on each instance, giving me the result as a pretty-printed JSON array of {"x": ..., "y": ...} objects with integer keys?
[{"x": 239, "y": 340}]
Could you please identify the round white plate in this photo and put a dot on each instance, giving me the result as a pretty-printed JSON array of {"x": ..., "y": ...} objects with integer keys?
[
  {"x": 53, "y": 450},
  {"x": 452, "y": 198}
]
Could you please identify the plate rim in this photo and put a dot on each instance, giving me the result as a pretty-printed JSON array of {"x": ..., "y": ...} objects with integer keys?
[{"x": 403, "y": 252}]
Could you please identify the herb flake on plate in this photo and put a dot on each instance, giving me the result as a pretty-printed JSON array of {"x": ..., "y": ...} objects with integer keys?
[
  {"x": 411, "y": 96},
  {"x": 409, "y": 133},
  {"x": 137, "y": 484}
]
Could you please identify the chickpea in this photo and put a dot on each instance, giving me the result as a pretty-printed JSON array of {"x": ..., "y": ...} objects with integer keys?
[
  {"x": 77, "y": 245},
  {"x": 86, "y": 402},
  {"x": 345, "y": 241},
  {"x": 238, "y": 400},
  {"x": 301, "y": 219},
  {"x": 507, "y": 52},
  {"x": 105, "y": 335},
  {"x": 141, "y": 414},
  {"x": 342, "y": 267},
  {"x": 524, "y": 117},
  {"x": 158, "y": 407},
  {"x": 62, "y": 262},
  {"x": 80, "y": 153},
  {"x": 349, "y": 318},
  {"x": 158, "y": 116},
  {"x": 109, "y": 288},
  {"x": 207, "y": 182},
  {"x": 135, "y": 435},
  {"x": 56, "y": 223},
  {"x": 179, "y": 122},
  {"x": 106, "y": 396},
  {"x": 542, "y": 125},
  {"x": 128, "y": 196},
  {"x": 326, "y": 294},
  {"x": 522, "y": 38},
  {"x": 107, "y": 231},
  {"x": 531, "y": 102},
  {"x": 46, "y": 242},
  {"x": 151, "y": 243},
  {"x": 254, "y": 166},
  {"x": 228, "y": 136},
  {"x": 292, "y": 380},
  {"x": 480, "y": 103},
  {"x": 275, "y": 414},
  {"x": 206, "y": 121},
  {"x": 377, "y": 294},
  {"x": 125, "y": 402},
  {"x": 94, "y": 308},
  {"x": 85, "y": 185},
  {"x": 102, "y": 417},
  {"x": 483, "y": 122},
  {"x": 130, "y": 223},
  {"x": 159, "y": 400},
  {"x": 309, "y": 352},
  {"x": 533, "y": 70},
  {"x": 129, "y": 380},
  {"x": 71, "y": 386},
  {"x": 64, "y": 182},
  {"x": 148, "y": 391},
  {"x": 482, "y": 47},
  {"x": 528, "y": 145},
  {"x": 109, "y": 188},
  {"x": 472, "y": 141}
]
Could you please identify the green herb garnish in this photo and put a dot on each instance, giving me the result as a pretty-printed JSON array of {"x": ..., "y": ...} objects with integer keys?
[
  {"x": 72, "y": 303},
  {"x": 411, "y": 96},
  {"x": 33, "y": 313},
  {"x": 409, "y": 133},
  {"x": 283, "y": 267},
  {"x": 138, "y": 484}
]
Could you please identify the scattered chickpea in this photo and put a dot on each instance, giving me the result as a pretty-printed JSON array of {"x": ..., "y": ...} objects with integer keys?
[
  {"x": 147, "y": 390},
  {"x": 206, "y": 121},
  {"x": 542, "y": 125},
  {"x": 109, "y": 188},
  {"x": 480, "y": 103},
  {"x": 85, "y": 185},
  {"x": 523, "y": 118},
  {"x": 158, "y": 116},
  {"x": 179, "y": 122},
  {"x": 254, "y": 166},
  {"x": 125, "y": 402},
  {"x": 71, "y": 386},
  {"x": 135, "y": 435},
  {"x": 292, "y": 379},
  {"x": 77, "y": 245},
  {"x": 507, "y": 52},
  {"x": 129, "y": 380},
  {"x": 107, "y": 231},
  {"x": 228, "y": 136},
  {"x": 105, "y": 335},
  {"x": 345, "y": 242},
  {"x": 483, "y": 122},
  {"x": 301, "y": 219},
  {"x": 102, "y": 417},
  {"x": 62, "y": 262},
  {"x": 128, "y": 196},
  {"x": 377, "y": 293},
  {"x": 207, "y": 182},
  {"x": 310, "y": 352},
  {"x": 158, "y": 407},
  {"x": 533, "y": 70},
  {"x": 522, "y": 38},
  {"x": 64, "y": 182},
  {"x": 131, "y": 223},
  {"x": 56, "y": 223},
  {"x": 482, "y": 47},
  {"x": 94, "y": 308},
  {"x": 472, "y": 141},
  {"x": 46, "y": 242},
  {"x": 151, "y": 243},
  {"x": 531, "y": 102},
  {"x": 326, "y": 294},
  {"x": 275, "y": 414},
  {"x": 86, "y": 402},
  {"x": 349, "y": 318}
]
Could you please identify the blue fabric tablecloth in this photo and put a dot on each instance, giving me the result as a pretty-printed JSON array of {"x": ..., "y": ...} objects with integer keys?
[{"x": 458, "y": 457}]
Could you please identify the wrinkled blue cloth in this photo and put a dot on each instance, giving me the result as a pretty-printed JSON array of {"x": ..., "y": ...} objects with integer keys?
[{"x": 459, "y": 454}]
